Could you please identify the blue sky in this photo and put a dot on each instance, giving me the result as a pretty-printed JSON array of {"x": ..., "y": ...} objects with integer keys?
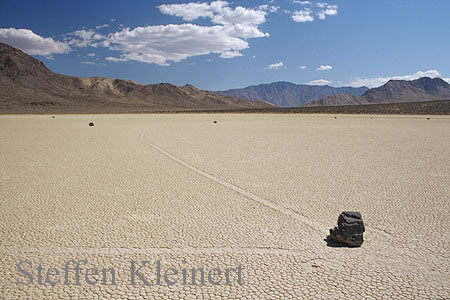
[{"x": 220, "y": 45}]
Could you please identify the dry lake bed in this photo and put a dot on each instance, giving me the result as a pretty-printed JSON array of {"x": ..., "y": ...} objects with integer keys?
[{"x": 161, "y": 206}]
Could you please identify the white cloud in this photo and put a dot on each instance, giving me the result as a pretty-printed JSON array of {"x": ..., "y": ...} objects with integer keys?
[
  {"x": 240, "y": 15},
  {"x": 85, "y": 38},
  {"x": 319, "y": 82},
  {"x": 273, "y": 9},
  {"x": 93, "y": 63},
  {"x": 218, "y": 11},
  {"x": 306, "y": 14},
  {"x": 276, "y": 66},
  {"x": 378, "y": 81},
  {"x": 330, "y": 10},
  {"x": 303, "y": 67},
  {"x": 91, "y": 54},
  {"x": 264, "y": 7},
  {"x": 301, "y": 2},
  {"x": 116, "y": 59},
  {"x": 269, "y": 8},
  {"x": 101, "y": 26},
  {"x": 187, "y": 11},
  {"x": 324, "y": 68},
  {"x": 230, "y": 54},
  {"x": 163, "y": 44},
  {"x": 302, "y": 16},
  {"x": 31, "y": 43}
]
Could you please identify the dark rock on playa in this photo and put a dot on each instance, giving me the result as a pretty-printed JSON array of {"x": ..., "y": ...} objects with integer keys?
[
  {"x": 91, "y": 124},
  {"x": 349, "y": 230},
  {"x": 214, "y": 121}
]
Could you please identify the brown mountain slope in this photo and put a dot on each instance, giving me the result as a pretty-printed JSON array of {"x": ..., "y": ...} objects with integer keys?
[
  {"x": 422, "y": 89},
  {"x": 394, "y": 91},
  {"x": 286, "y": 94},
  {"x": 26, "y": 85},
  {"x": 338, "y": 99}
]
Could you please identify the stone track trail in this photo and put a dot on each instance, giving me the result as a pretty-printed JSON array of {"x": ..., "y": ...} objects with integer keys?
[
  {"x": 284, "y": 210},
  {"x": 313, "y": 224},
  {"x": 179, "y": 189}
]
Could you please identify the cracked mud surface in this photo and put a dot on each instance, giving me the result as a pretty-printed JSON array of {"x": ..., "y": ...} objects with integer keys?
[{"x": 259, "y": 190}]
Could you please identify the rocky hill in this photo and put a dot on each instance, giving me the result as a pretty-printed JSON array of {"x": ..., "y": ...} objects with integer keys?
[
  {"x": 394, "y": 91},
  {"x": 27, "y": 85},
  {"x": 286, "y": 94}
]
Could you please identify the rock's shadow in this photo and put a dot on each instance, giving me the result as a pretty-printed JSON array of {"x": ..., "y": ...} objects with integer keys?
[{"x": 334, "y": 244}]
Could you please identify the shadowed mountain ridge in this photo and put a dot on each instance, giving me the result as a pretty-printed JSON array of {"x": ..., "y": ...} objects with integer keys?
[{"x": 27, "y": 85}]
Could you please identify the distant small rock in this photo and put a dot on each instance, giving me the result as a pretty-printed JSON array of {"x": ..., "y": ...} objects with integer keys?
[
  {"x": 349, "y": 230},
  {"x": 53, "y": 117},
  {"x": 91, "y": 124},
  {"x": 428, "y": 118},
  {"x": 214, "y": 121}
]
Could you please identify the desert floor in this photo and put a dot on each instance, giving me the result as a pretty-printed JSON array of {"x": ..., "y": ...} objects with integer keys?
[{"x": 257, "y": 190}]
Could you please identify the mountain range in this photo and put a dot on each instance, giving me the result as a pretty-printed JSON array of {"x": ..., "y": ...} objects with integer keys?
[
  {"x": 394, "y": 91},
  {"x": 286, "y": 94},
  {"x": 27, "y": 85}
]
